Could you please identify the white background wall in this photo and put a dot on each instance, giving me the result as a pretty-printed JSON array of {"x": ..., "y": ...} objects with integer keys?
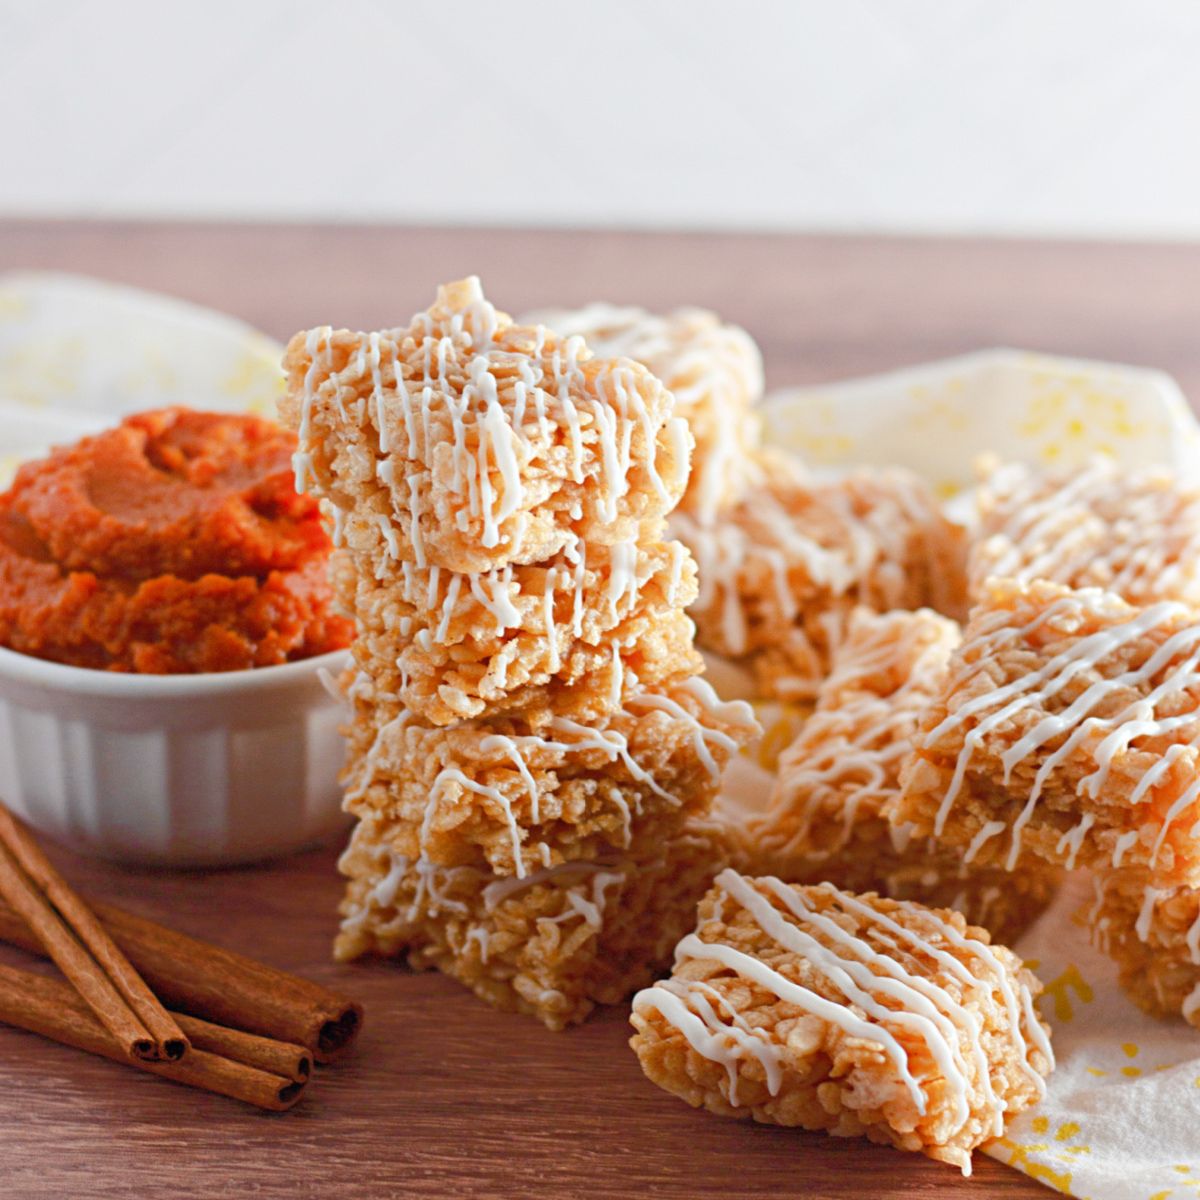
[{"x": 1060, "y": 116}]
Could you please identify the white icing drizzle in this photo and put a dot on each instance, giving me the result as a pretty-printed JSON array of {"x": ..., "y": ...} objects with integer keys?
[
  {"x": 499, "y": 741},
  {"x": 1134, "y": 533},
  {"x": 721, "y": 1039},
  {"x": 1191, "y": 1005},
  {"x": 735, "y": 712},
  {"x": 505, "y": 887},
  {"x": 989, "y": 830},
  {"x": 1145, "y": 917},
  {"x": 845, "y": 763},
  {"x": 337, "y": 533},
  {"x": 1071, "y": 840},
  {"x": 679, "y": 558},
  {"x": 478, "y": 935},
  {"x": 505, "y": 395},
  {"x": 1017, "y": 1000},
  {"x": 1123, "y": 843},
  {"x": 848, "y": 966},
  {"x": 622, "y": 575},
  {"x": 713, "y": 370},
  {"x": 880, "y": 985},
  {"x": 454, "y": 775},
  {"x": 1106, "y": 736}
]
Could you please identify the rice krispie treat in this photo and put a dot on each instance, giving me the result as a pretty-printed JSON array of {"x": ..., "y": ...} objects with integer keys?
[
  {"x": 780, "y": 572},
  {"x": 1136, "y": 533},
  {"x": 473, "y": 442},
  {"x": 526, "y": 796},
  {"x": 714, "y": 371},
  {"x": 828, "y": 817},
  {"x": 551, "y": 945},
  {"x": 563, "y": 633},
  {"x": 1067, "y": 728},
  {"x": 1154, "y": 937},
  {"x": 813, "y": 1007}
]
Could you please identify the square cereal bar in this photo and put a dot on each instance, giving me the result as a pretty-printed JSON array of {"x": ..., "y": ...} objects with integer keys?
[
  {"x": 563, "y": 633},
  {"x": 523, "y": 797},
  {"x": 1153, "y": 935},
  {"x": 473, "y": 442},
  {"x": 813, "y": 1007},
  {"x": 1067, "y": 728},
  {"x": 780, "y": 572},
  {"x": 713, "y": 370},
  {"x": 828, "y": 816},
  {"x": 552, "y": 945},
  {"x": 1136, "y": 533}
]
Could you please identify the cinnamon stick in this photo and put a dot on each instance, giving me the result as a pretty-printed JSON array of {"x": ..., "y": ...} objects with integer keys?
[
  {"x": 219, "y": 985},
  {"x": 277, "y": 1058},
  {"x": 102, "y": 975},
  {"x": 168, "y": 1039},
  {"x": 54, "y": 1009}
]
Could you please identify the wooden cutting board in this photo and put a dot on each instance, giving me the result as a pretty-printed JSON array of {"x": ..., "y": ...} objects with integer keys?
[{"x": 443, "y": 1096}]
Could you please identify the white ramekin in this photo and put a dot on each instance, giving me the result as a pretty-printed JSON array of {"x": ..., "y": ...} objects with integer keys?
[{"x": 172, "y": 770}]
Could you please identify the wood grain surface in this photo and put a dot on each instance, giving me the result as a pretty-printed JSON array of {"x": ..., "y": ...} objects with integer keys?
[{"x": 443, "y": 1096}]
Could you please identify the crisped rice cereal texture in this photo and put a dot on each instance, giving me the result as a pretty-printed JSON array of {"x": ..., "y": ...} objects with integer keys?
[
  {"x": 1153, "y": 935},
  {"x": 1136, "y": 533},
  {"x": 828, "y": 817},
  {"x": 714, "y": 370},
  {"x": 1066, "y": 729},
  {"x": 522, "y": 796},
  {"x": 562, "y": 634},
  {"x": 552, "y": 945},
  {"x": 781, "y": 571},
  {"x": 474, "y": 443},
  {"x": 816, "y": 1008}
]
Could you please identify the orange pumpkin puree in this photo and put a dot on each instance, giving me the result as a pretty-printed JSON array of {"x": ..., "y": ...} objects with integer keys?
[{"x": 172, "y": 544}]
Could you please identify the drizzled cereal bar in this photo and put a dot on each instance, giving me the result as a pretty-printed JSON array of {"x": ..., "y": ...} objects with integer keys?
[
  {"x": 553, "y": 944},
  {"x": 1067, "y": 728},
  {"x": 565, "y": 633},
  {"x": 714, "y": 371},
  {"x": 829, "y": 817},
  {"x": 525, "y": 796},
  {"x": 473, "y": 443},
  {"x": 813, "y": 1007},
  {"x": 780, "y": 572},
  {"x": 1136, "y": 533},
  {"x": 1153, "y": 934}
]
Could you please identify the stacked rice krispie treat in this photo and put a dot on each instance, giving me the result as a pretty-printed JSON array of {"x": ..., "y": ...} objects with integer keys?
[
  {"x": 532, "y": 757},
  {"x": 830, "y": 816},
  {"x": 813, "y": 1007},
  {"x": 1135, "y": 534}
]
